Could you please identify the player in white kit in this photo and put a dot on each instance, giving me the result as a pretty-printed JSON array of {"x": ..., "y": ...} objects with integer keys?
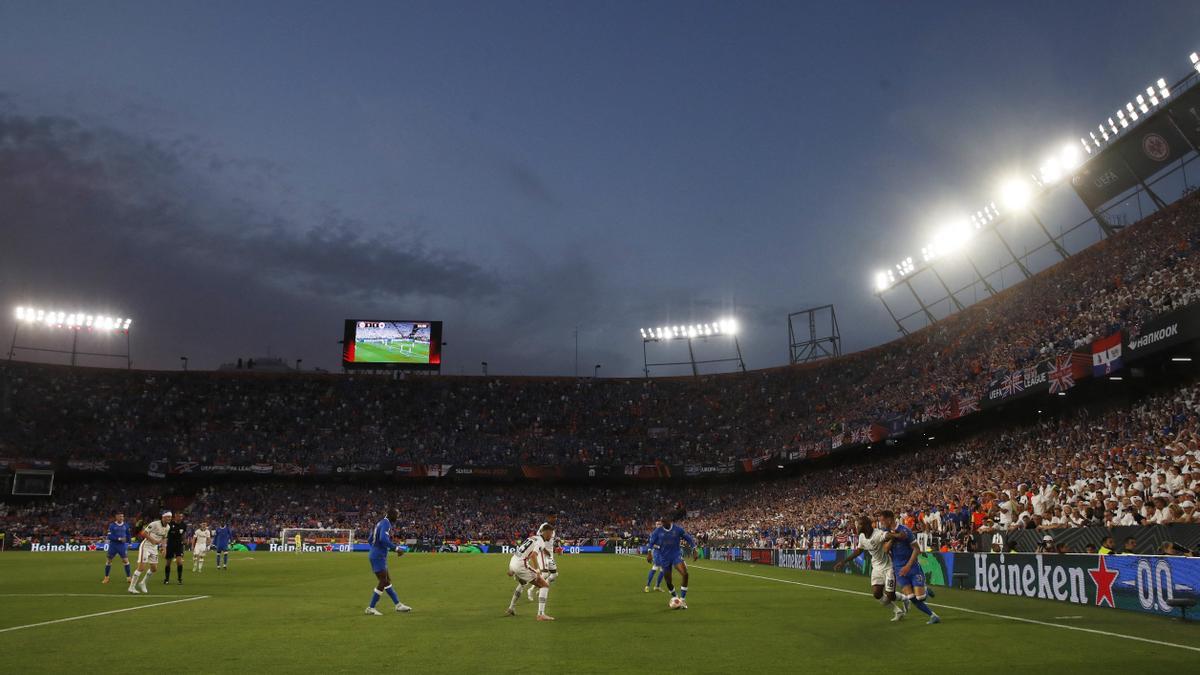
[
  {"x": 154, "y": 535},
  {"x": 551, "y": 565},
  {"x": 871, "y": 541},
  {"x": 201, "y": 538},
  {"x": 526, "y": 565}
]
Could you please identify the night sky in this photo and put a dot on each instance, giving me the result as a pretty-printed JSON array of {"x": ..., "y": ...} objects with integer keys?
[{"x": 239, "y": 177}]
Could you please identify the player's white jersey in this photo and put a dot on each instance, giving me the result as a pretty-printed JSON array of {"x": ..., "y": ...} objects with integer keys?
[
  {"x": 157, "y": 530},
  {"x": 203, "y": 537},
  {"x": 873, "y": 545},
  {"x": 530, "y": 551},
  {"x": 548, "y": 549}
]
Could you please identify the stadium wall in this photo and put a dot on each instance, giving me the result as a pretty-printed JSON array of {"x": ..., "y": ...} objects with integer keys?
[{"x": 1127, "y": 582}]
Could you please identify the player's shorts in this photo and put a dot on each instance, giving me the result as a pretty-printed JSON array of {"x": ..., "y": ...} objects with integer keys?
[
  {"x": 378, "y": 563},
  {"x": 670, "y": 559},
  {"x": 220, "y": 548},
  {"x": 117, "y": 548},
  {"x": 884, "y": 575},
  {"x": 174, "y": 551},
  {"x": 200, "y": 549},
  {"x": 524, "y": 573},
  {"x": 914, "y": 578},
  {"x": 147, "y": 553}
]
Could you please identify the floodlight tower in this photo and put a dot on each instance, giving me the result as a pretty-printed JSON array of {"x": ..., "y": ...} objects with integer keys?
[
  {"x": 722, "y": 328},
  {"x": 102, "y": 324}
]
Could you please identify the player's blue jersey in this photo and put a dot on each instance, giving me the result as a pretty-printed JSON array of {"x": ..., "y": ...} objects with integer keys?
[
  {"x": 665, "y": 541},
  {"x": 118, "y": 533},
  {"x": 902, "y": 548},
  {"x": 381, "y": 542},
  {"x": 223, "y": 537}
]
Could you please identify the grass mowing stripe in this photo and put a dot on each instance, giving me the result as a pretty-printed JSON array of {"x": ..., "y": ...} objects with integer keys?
[
  {"x": 95, "y": 614},
  {"x": 960, "y": 609}
]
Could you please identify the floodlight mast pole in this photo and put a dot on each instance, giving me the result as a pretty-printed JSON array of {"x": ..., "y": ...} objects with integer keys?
[
  {"x": 692, "y": 358},
  {"x": 949, "y": 293},
  {"x": 928, "y": 314},
  {"x": 1013, "y": 254},
  {"x": 12, "y": 349},
  {"x": 1046, "y": 231},
  {"x": 74, "y": 343},
  {"x": 899, "y": 326},
  {"x": 982, "y": 279}
]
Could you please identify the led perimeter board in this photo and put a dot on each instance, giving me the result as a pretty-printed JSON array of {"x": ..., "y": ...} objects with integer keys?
[{"x": 373, "y": 344}]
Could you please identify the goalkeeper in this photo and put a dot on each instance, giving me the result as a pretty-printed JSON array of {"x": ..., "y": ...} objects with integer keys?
[{"x": 381, "y": 546}]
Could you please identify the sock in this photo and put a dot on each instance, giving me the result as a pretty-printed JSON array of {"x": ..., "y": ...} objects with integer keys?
[
  {"x": 683, "y": 592},
  {"x": 133, "y": 579},
  {"x": 200, "y": 565},
  {"x": 167, "y": 569},
  {"x": 179, "y": 571},
  {"x": 543, "y": 593},
  {"x": 920, "y": 604},
  {"x": 375, "y": 597},
  {"x": 392, "y": 594},
  {"x": 885, "y": 602},
  {"x": 107, "y": 569},
  {"x": 516, "y": 596},
  {"x": 126, "y": 570},
  {"x": 671, "y": 587},
  {"x": 929, "y": 593},
  {"x": 649, "y": 579},
  {"x": 660, "y": 578}
]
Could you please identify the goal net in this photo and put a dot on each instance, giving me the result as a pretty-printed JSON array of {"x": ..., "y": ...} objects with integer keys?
[{"x": 316, "y": 536}]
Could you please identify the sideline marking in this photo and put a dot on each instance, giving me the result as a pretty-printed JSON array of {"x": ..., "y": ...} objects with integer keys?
[
  {"x": 961, "y": 609},
  {"x": 111, "y": 611},
  {"x": 83, "y": 595}
]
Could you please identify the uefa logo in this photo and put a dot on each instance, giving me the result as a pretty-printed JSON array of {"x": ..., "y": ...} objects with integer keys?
[{"x": 1156, "y": 147}]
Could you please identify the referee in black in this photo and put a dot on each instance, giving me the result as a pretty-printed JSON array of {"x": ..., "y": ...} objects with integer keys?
[{"x": 176, "y": 536}]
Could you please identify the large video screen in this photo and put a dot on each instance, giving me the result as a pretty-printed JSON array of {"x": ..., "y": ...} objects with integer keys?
[{"x": 414, "y": 345}]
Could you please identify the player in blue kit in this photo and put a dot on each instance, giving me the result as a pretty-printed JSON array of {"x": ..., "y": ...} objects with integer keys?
[
  {"x": 910, "y": 580},
  {"x": 118, "y": 545},
  {"x": 381, "y": 546},
  {"x": 655, "y": 567},
  {"x": 664, "y": 545},
  {"x": 222, "y": 540}
]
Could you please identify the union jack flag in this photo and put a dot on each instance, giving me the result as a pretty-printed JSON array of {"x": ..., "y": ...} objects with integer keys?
[
  {"x": 945, "y": 411},
  {"x": 1013, "y": 384},
  {"x": 1062, "y": 377},
  {"x": 967, "y": 405}
]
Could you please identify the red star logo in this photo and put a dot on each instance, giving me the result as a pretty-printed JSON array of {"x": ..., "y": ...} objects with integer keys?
[
  {"x": 91, "y": 547},
  {"x": 1104, "y": 579},
  {"x": 328, "y": 547}
]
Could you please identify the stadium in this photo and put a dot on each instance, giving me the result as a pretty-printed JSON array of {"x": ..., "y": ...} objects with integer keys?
[{"x": 1014, "y": 475}]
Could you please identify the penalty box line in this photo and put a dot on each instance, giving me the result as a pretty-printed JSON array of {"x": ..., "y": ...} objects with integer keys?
[
  {"x": 960, "y": 609},
  {"x": 95, "y": 614}
]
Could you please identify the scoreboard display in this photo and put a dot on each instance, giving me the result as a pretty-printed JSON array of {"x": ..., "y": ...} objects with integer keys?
[{"x": 401, "y": 345}]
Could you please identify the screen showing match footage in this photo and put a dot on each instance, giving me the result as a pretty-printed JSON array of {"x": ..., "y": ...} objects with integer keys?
[{"x": 392, "y": 344}]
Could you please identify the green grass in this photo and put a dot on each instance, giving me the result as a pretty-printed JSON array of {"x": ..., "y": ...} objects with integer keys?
[
  {"x": 369, "y": 352},
  {"x": 282, "y": 612}
]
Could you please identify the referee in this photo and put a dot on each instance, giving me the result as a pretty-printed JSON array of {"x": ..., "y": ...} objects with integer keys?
[{"x": 176, "y": 536}]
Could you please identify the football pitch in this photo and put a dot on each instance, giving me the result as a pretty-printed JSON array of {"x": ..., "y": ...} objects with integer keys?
[
  {"x": 282, "y": 612},
  {"x": 400, "y": 351}
]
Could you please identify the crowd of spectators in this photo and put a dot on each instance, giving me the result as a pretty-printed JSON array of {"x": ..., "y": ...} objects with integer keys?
[
  {"x": 1107, "y": 466},
  {"x": 248, "y": 417}
]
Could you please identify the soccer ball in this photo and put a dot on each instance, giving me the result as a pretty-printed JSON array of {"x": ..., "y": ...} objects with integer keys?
[{"x": 675, "y": 603}]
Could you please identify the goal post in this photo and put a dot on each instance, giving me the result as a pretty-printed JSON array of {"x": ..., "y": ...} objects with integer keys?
[{"x": 316, "y": 536}]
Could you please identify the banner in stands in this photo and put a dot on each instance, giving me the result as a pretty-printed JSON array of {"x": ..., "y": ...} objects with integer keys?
[
  {"x": 1169, "y": 330},
  {"x": 1101, "y": 179},
  {"x": 1106, "y": 355},
  {"x": 1153, "y": 145},
  {"x": 1147, "y": 539},
  {"x": 1185, "y": 110},
  {"x": 1053, "y": 375}
]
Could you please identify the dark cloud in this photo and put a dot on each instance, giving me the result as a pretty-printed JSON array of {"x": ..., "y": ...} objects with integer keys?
[{"x": 530, "y": 184}]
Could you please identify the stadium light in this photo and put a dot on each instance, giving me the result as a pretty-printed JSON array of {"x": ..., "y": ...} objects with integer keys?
[
  {"x": 726, "y": 326},
  {"x": 1015, "y": 194},
  {"x": 1195, "y": 61},
  {"x": 76, "y": 320}
]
